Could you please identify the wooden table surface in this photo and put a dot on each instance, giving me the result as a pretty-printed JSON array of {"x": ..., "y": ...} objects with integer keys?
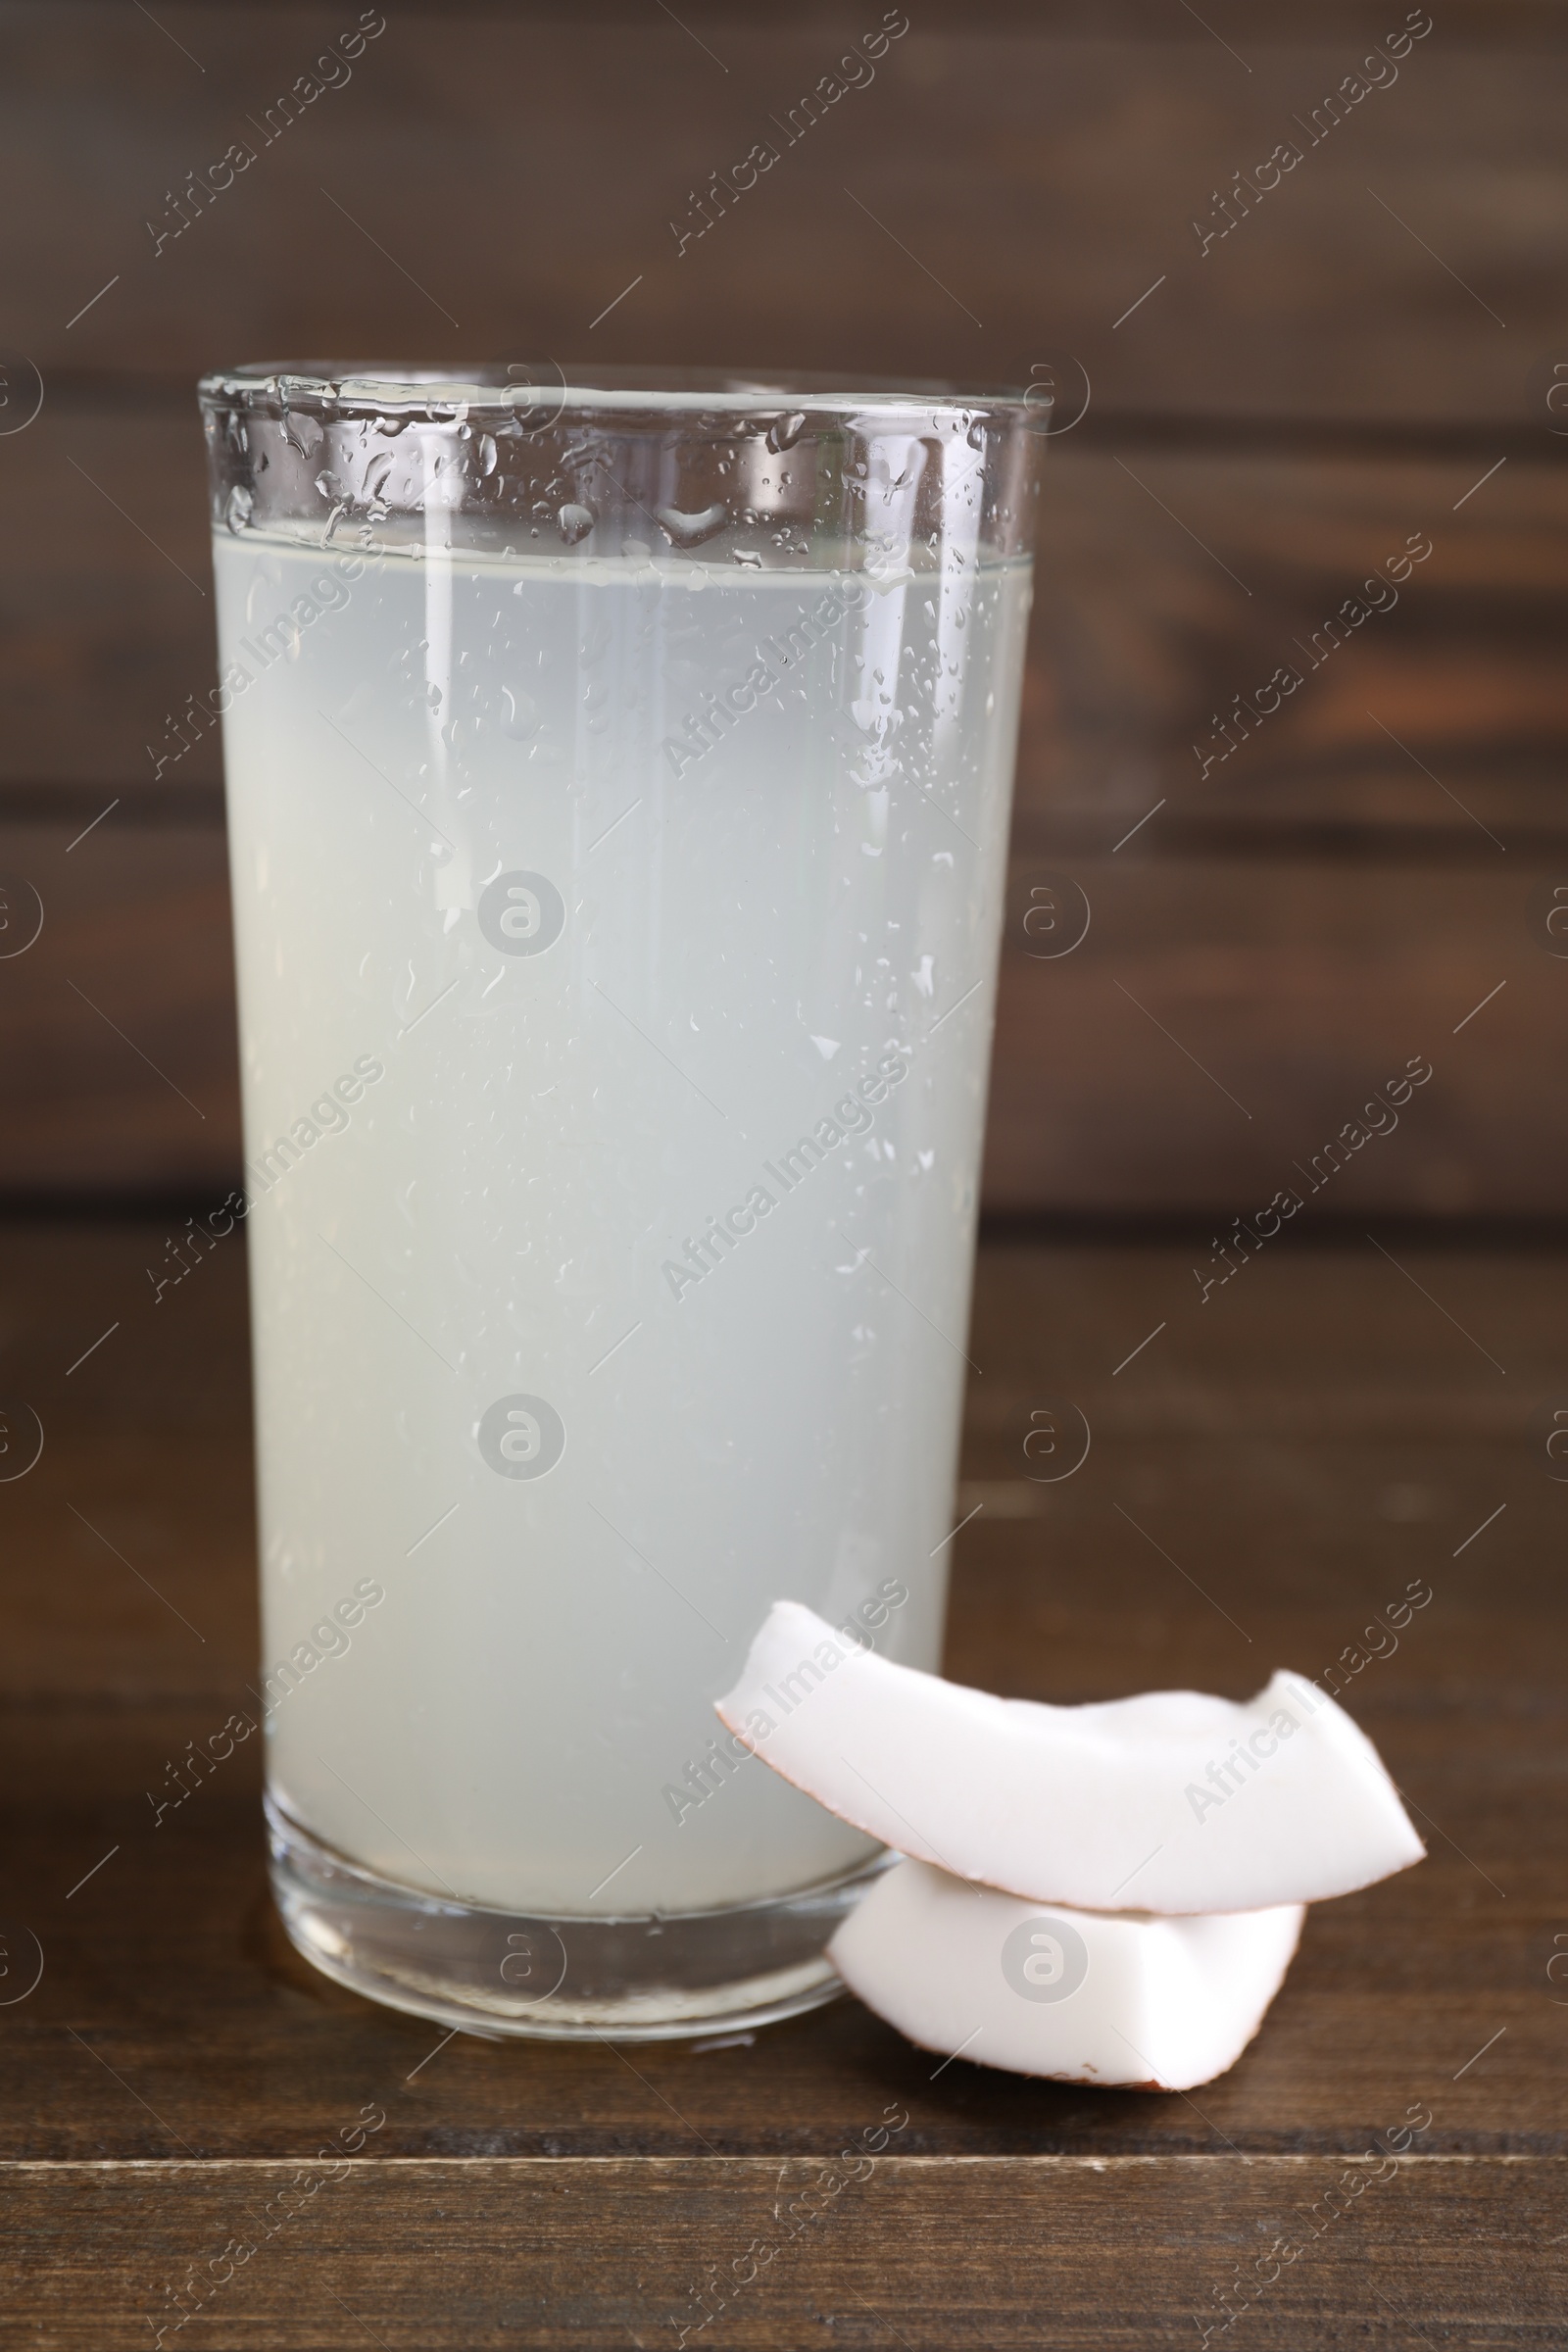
[{"x": 1274, "y": 1466}]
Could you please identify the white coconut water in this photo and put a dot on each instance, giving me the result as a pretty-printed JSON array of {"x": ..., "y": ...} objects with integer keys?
[{"x": 617, "y": 952}]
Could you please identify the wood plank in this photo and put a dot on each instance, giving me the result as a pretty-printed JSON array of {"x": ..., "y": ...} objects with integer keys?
[
  {"x": 1173, "y": 589},
  {"x": 1442, "y": 718},
  {"x": 1047, "y": 176},
  {"x": 1218, "y": 1024},
  {"x": 1121, "y": 2256},
  {"x": 117, "y": 1025},
  {"x": 106, "y": 612},
  {"x": 1529, "y": 23},
  {"x": 170, "y": 1965},
  {"x": 1306, "y": 1445}
]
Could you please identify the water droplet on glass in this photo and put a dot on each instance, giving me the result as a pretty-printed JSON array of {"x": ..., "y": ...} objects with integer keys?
[
  {"x": 750, "y": 557},
  {"x": 786, "y": 432},
  {"x": 237, "y": 512},
  {"x": 302, "y": 434},
  {"x": 574, "y": 522},
  {"x": 690, "y": 530},
  {"x": 487, "y": 454},
  {"x": 520, "y": 719}
]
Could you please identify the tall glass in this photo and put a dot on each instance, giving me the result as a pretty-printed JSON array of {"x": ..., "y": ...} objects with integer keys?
[{"x": 619, "y": 777}]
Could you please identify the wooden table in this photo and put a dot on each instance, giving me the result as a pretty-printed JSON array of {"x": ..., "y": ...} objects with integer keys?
[{"x": 1272, "y": 1467}]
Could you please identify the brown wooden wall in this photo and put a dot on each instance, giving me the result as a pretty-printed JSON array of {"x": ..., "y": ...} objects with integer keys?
[{"x": 1364, "y": 361}]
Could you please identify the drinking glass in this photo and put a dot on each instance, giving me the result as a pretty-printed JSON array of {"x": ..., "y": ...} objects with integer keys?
[{"x": 618, "y": 770}]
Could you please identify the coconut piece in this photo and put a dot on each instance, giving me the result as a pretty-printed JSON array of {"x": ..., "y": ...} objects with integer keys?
[
  {"x": 1172, "y": 1801},
  {"x": 1118, "y": 1998}
]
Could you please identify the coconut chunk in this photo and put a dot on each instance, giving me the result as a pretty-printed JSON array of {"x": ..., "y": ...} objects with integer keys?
[
  {"x": 1171, "y": 1802},
  {"x": 1122, "y": 1998}
]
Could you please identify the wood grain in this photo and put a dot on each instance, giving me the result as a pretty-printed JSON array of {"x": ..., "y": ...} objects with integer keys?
[
  {"x": 1220, "y": 1024},
  {"x": 1266, "y": 1471},
  {"x": 117, "y": 1053},
  {"x": 1342, "y": 884},
  {"x": 1440, "y": 717},
  {"x": 1172, "y": 588},
  {"x": 1216, "y": 1027},
  {"x": 1030, "y": 178},
  {"x": 1271, "y": 1460},
  {"x": 1115, "y": 2255},
  {"x": 1287, "y": 407},
  {"x": 1274, "y": 1464}
]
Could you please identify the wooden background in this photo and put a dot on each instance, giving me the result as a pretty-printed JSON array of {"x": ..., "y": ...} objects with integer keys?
[
  {"x": 1368, "y": 355},
  {"x": 1278, "y": 414}
]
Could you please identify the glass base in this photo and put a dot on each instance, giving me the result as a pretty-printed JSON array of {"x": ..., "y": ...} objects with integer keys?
[{"x": 500, "y": 1973}]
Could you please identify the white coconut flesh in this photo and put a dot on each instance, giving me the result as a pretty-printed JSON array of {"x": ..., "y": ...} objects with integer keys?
[
  {"x": 1171, "y": 1802},
  {"x": 1114, "y": 1998}
]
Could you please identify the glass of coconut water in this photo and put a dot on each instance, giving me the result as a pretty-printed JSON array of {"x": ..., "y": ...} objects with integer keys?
[{"x": 618, "y": 773}]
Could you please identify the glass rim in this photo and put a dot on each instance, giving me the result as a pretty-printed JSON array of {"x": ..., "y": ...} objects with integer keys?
[{"x": 275, "y": 385}]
